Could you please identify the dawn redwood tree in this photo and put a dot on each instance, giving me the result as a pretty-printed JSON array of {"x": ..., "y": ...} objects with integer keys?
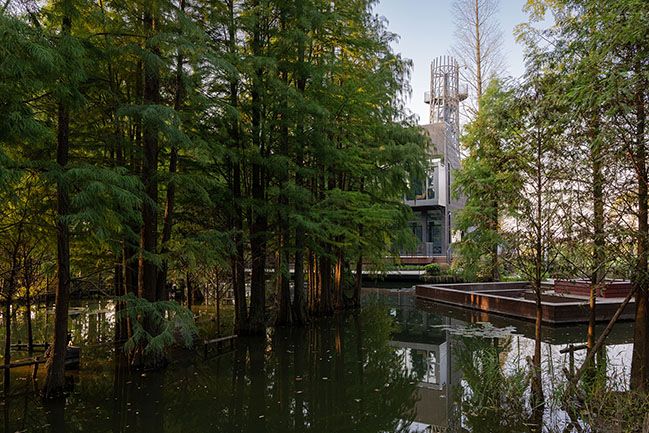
[
  {"x": 538, "y": 207},
  {"x": 478, "y": 46},
  {"x": 72, "y": 74},
  {"x": 488, "y": 174},
  {"x": 608, "y": 42}
]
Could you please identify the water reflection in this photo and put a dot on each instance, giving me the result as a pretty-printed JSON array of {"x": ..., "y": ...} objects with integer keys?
[
  {"x": 399, "y": 366},
  {"x": 337, "y": 375},
  {"x": 471, "y": 366}
]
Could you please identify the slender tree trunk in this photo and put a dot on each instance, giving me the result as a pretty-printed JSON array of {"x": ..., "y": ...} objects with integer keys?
[
  {"x": 237, "y": 259},
  {"x": 190, "y": 291},
  {"x": 218, "y": 309},
  {"x": 258, "y": 224},
  {"x": 118, "y": 286},
  {"x": 238, "y": 271},
  {"x": 7, "y": 357},
  {"x": 257, "y": 325},
  {"x": 299, "y": 295},
  {"x": 130, "y": 269},
  {"x": 478, "y": 51},
  {"x": 537, "y": 384},
  {"x": 128, "y": 285},
  {"x": 495, "y": 268},
  {"x": 28, "y": 320},
  {"x": 640, "y": 362},
  {"x": 324, "y": 301},
  {"x": 339, "y": 295},
  {"x": 148, "y": 234},
  {"x": 55, "y": 377},
  {"x": 285, "y": 312},
  {"x": 358, "y": 284},
  {"x": 312, "y": 282},
  {"x": 599, "y": 253},
  {"x": 147, "y": 269},
  {"x": 162, "y": 291}
]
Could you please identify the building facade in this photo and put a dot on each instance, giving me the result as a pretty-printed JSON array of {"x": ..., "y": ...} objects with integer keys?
[{"x": 431, "y": 199}]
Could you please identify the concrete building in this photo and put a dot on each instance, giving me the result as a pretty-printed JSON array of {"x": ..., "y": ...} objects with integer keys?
[{"x": 431, "y": 199}]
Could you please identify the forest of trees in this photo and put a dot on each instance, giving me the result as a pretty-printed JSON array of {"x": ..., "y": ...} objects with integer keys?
[
  {"x": 556, "y": 173},
  {"x": 144, "y": 142}
]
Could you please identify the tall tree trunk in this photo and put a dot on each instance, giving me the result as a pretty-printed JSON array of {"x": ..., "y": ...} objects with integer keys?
[
  {"x": 162, "y": 291},
  {"x": 55, "y": 377},
  {"x": 258, "y": 225},
  {"x": 537, "y": 384},
  {"x": 285, "y": 312},
  {"x": 237, "y": 259},
  {"x": 478, "y": 51},
  {"x": 299, "y": 295},
  {"x": 147, "y": 269},
  {"x": 148, "y": 233},
  {"x": 640, "y": 362},
  {"x": 599, "y": 253},
  {"x": 257, "y": 325}
]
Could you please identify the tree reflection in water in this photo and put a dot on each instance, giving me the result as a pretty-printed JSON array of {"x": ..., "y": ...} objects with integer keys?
[
  {"x": 338, "y": 375},
  {"x": 490, "y": 400}
]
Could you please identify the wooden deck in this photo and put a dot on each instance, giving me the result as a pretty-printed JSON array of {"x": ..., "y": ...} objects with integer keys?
[{"x": 517, "y": 300}]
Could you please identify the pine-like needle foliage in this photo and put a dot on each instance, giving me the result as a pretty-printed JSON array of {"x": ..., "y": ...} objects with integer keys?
[{"x": 174, "y": 324}]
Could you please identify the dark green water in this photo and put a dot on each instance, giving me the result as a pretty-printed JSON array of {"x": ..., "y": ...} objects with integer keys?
[{"x": 393, "y": 367}]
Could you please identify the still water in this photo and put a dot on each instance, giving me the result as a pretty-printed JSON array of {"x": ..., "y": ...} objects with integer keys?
[{"x": 397, "y": 366}]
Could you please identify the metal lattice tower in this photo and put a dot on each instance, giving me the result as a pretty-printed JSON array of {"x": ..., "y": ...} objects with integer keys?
[{"x": 445, "y": 95}]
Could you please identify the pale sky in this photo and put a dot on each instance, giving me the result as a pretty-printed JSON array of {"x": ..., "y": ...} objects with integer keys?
[{"x": 426, "y": 30}]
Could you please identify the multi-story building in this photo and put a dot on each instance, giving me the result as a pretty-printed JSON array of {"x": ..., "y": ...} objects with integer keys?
[{"x": 431, "y": 200}]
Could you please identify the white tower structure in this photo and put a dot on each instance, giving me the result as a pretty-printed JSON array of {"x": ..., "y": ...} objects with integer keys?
[
  {"x": 431, "y": 201},
  {"x": 445, "y": 95}
]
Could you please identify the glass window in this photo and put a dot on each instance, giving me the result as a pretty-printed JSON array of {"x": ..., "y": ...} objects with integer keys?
[
  {"x": 432, "y": 185},
  {"x": 434, "y": 225},
  {"x": 416, "y": 229}
]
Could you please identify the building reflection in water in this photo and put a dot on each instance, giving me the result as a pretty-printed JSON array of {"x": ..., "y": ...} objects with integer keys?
[{"x": 426, "y": 347}]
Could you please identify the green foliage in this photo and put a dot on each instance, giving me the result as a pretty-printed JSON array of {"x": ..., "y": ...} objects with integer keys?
[
  {"x": 433, "y": 269},
  {"x": 169, "y": 320},
  {"x": 488, "y": 180}
]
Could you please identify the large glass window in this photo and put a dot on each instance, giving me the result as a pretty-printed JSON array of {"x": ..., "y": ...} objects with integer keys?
[{"x": 434, "y": 229}]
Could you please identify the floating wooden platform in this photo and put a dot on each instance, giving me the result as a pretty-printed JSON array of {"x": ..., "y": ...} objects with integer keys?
[{"x": 517, "y": 300}]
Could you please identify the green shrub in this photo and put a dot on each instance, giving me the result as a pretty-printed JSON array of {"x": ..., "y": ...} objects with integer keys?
[{"x": 433, "y": 270}]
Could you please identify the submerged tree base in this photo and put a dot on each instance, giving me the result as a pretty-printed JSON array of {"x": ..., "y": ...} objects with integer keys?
[{"x": 140, "y": 359}]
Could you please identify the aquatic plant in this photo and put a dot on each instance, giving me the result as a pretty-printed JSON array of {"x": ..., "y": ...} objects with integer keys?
[{"x": 490, "y": 400}]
